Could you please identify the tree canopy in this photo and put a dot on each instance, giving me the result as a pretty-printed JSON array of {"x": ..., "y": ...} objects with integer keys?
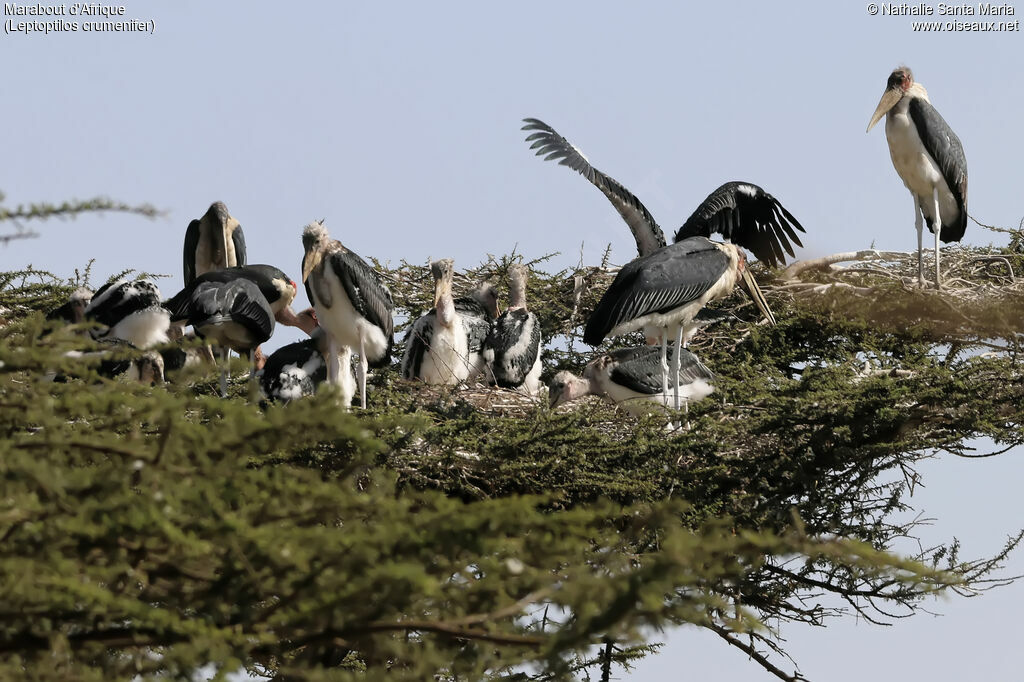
[{"x": 471, "y": 534}]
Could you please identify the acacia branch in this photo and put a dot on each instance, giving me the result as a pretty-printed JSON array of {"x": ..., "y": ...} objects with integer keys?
[{"x": 753, "y": 653}]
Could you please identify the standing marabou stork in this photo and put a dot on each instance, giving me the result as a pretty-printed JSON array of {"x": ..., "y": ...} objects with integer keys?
[
  {"x": 929, "y": 158},
  {"x": 512, "y": 349},
  {"x": 632, "y": 378},
  {"x": 129, "y": 311},
  {"x": 446, "y": 344},
  {"x": 351, "y": 303},
  {"x": 662, "y": 292},
  {"x": 213, "y": 242},
  {"x": 741, "y": 212},
  {"x": 235, "y": 315}
]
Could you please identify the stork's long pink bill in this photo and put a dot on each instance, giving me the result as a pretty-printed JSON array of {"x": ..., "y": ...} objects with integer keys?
[
  {"x": 750, "y": 286},
  {"x": 888, "y": 101}
]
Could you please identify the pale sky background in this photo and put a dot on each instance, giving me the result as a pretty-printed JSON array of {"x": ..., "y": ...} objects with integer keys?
[{"x": 399, "y": 123}]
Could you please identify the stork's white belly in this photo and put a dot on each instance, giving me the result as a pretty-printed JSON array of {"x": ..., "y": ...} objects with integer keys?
[
  {"x": 346, "y": 325},
  {"x": 448, "y": 361},
  {"x": 915, "y": 165}
]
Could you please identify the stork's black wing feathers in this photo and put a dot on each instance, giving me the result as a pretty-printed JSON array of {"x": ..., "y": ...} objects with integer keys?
[
  {"x": 238, "y": 239},
  {"x": 476, "y": 320},
  {"x": 189, "y": 252},
  {"x": 260, "y": 274},
  {"x": 551, "y": 145},
  {"x": 369, "y": 296},
  {"x": 239, "y": 299},
  {"x": 666, "y": 279},
  {"x": 515, "y": 340},
  {"x": 747, "y": 216},
  {"x": 279, "y": 384},
  {"x": 251, "y": 309},
  {"x": 417, "y": 341},
  {"x": 117, "y": 300},
  {"x": 945, "y": 148},
  {"x": 639, "y": 369}
]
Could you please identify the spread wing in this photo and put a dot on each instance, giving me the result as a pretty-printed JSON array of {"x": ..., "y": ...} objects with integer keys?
[
  {"x": 551, "y": 145},
  {"x": 746, "y": 215}
]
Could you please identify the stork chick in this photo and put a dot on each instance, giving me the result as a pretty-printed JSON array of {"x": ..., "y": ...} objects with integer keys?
[
  {"x": 444, "y": 346},
  {"x": 631, "y": 378},
  {"x": 513, "y": 348}
]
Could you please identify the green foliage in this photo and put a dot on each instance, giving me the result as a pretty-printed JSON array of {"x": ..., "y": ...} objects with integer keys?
[
  {"x": 21, "y": 213},
  {"x": 467, "y": 534}
]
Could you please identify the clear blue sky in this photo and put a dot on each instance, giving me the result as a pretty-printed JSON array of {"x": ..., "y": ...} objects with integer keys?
[{"x": 399, "y": 123}]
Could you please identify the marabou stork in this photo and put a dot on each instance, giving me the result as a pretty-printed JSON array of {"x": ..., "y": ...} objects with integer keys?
[
  {"x": 632, "y": 378},
  {"x": 213, "y": 242},
  {"x": 276, "y": 287},
  {"x": 665, "y": 290},
  {"x": 512, "y": 349},
  {"x": 351, "y": 302},
  {"x": 929, "y": 158},
  {"x": 235, "y": 315},
  {"x": 130, "y": 311},
  {"x": 741, "y": 212},
  {"x": 446, "y": 344},
  {"x": 666, "y": 286}
]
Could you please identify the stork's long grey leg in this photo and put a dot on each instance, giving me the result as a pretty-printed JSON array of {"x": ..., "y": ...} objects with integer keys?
[
  {"x": 224, "y": 373},
  {"x": 919, "y": 224},
  {"x": 938, "y": 230},
  {"x": 675, "y": 367},
  {"x": 364, "y": 368},
  {"x": 664, "y": 367},
  {"x": 252, "y": 364},
  {"x": 332, "y": 361}
]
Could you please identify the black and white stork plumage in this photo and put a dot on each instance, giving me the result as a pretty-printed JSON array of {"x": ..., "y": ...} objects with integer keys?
[
  {"x": 118, "y": 360},
  {"x": 213, "y": 242},
  {"x": 741, "y": 212},
  {"x": 73, "y": 311},
  {"x": 446, "y": 344},
  {"x": 296, "y": 370},
  {"x": 929, "y": 158},
  {"x": 129, "y": 311},
  {"x": 663, "y": 289},
  {"x": 662, "y": 293},
  {"x": 234, "y": 315},
  {"x": 632, "y": 379},
  {"x": 273, "y": 283},
  {"x": 512, "y": 349},
  {"x": 352, "y": 304}
]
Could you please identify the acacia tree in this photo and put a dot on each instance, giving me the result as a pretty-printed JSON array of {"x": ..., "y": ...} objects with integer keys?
[{"x": 472, "y": 534}]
